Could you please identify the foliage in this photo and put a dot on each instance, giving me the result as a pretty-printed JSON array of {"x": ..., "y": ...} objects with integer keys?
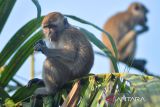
[{"x": 96, "y": 90}]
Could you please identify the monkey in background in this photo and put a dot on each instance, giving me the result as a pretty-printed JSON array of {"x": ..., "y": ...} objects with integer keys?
[
  {"x": 69, "y": 54},
  {"x": 122, "y": 29}
]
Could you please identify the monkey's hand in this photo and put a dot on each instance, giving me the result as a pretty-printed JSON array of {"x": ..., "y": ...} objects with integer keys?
[
  {"x": 37, "y": 81},
  {"x": 144, "y": 29},
  {"x": 40, "y": 46}
]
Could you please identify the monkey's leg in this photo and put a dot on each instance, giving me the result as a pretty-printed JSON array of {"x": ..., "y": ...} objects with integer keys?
[
  {"x": 42, "y": 91},
  {"x": 39, "y": 82},
  {"x": 55, "y": 75},
  {"x": 126, "y": 47},
  {"x": 131, "y": 35},
  {"x": 122, "y": 44}
]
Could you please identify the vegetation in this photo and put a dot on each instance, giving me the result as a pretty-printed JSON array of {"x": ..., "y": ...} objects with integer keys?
[{"x": 93, "y": 90}]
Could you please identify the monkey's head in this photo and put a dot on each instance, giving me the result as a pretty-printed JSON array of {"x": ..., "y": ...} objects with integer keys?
[
  {"x": 139, "y": 12},
  {"x": 53, "y": 24}
]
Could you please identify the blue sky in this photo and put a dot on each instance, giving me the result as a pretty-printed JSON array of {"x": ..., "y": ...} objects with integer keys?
[{"x": 97, "y": 12}]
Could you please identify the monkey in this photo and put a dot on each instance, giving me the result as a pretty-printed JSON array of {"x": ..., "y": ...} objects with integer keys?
[
  {"x": 69, "y": 54},
  {"x": 122, "y": 29}
]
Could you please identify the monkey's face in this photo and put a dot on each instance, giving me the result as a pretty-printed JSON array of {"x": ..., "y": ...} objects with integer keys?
[
  {"x": 53, "y": 24},
  {"x": 139, "y": 12}
]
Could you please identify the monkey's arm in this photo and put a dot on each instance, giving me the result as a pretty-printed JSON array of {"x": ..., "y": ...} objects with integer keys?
[
  {"x": 64, "y": 54},
  {"x": 129, "y": 37}
]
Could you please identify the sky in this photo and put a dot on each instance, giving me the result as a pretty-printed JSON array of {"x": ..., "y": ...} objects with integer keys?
[{"x": 97, "y": 12}]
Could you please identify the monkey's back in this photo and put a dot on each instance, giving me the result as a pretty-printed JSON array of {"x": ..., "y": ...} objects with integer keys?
[
  {"x": 84, "y": 57},
  {"x": 117, "y": 26}
]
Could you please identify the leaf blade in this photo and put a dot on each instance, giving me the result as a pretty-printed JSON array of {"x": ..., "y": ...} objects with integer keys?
[
  {"x": 5, "y": 10},
  {"x": 17, "y": 40},
  {"x": 18, "y": 59}
]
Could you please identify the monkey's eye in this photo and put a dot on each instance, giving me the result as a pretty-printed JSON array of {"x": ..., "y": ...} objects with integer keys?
[
  {"x": 45, "y": 26},
  {"x": 50, "y": 26},
  {"x": 137, "y": 7}
]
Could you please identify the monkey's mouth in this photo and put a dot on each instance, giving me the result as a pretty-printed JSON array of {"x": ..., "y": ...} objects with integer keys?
[{"x": 53, "y": 36}]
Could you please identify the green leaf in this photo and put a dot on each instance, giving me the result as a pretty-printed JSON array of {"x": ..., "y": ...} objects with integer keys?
[
  {"x": 23, "y": 93},
  {"x": 89, "y": 23},
  {"x": 98, "y": 88},
  {"x": 97, "y": 98},
  {"x": 3, "y": 94},
  {"x": 48, "y": 101},
  {"x": 9, "y": 103},
  {"x": 18, "y": 59},
  {"x": 101, "y": 46},
  {"x": 17, "y": 40},
  {"x": 38, "y": 9},
  {"x": 6, "y": 7},
  {"x": 89, "y": 92},
  {"x": 56, "y": 100}
]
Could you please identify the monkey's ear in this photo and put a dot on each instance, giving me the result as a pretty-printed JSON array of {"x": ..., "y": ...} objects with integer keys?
[{"x": 66, "y": 24}]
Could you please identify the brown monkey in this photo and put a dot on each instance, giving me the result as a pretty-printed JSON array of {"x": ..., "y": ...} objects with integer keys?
[
  {"x": 69, "y": 54},
  {"x": 122, "y": 29}
]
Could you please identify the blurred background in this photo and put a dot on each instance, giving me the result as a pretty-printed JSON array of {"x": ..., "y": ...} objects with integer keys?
[{"x": 96, "y": 12}]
